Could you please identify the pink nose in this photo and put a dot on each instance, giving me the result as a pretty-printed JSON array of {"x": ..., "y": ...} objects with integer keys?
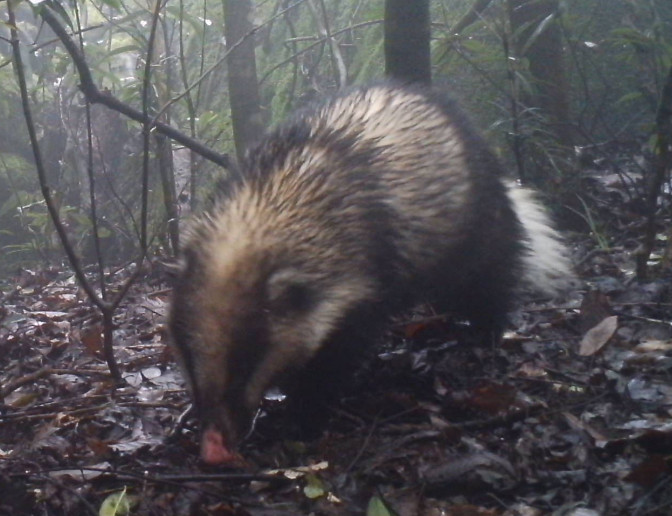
[{"x": 213, "y": 448}]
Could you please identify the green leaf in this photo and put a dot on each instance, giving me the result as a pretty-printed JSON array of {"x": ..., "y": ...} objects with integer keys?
[
  {"x": 377, "y": 507},
  {"x": 539, "y": 29},
  {"x": 628, "y": 97},
  {"x": 194, "y": 21},
  {"x": 60, "y": 10},
  {"x": 207, "y": 120},
  {"x": 630, "y": 35},
  {"x": 15, "y": 200},
  {"x": 314, "y": 487},
  {"x": 119, "y": 50},
  {"x": 114, "y": 4},
  {"x": 117, "y": 504},
  {"x": 476, "y": 46}
]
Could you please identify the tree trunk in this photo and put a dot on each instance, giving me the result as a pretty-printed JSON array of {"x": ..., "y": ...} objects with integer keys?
[
  {"x": 661, "y": 171},
  {"x": 542, "y": 46},
  {"x": 407, "y": 33},
  {"x": 166, "y": 168},
  {"x": 242, "y": 75}
]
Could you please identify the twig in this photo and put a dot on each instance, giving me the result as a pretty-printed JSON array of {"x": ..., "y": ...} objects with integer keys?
[
  {"x": 24, "y": 380},
  {"x": 645, "y": 319},
  {"x": 363, "y": 447}
]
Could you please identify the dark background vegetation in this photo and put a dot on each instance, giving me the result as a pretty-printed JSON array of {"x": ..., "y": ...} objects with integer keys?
[
  {"x": 548, "y": 82},
  {"x": 117, "y": 118}
]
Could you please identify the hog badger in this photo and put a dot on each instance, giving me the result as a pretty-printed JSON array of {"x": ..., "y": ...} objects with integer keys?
[{"x": 352, "y": 211}]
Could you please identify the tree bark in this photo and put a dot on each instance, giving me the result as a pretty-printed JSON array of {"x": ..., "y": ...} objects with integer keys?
[
  {"x": 662, "y": 167},
  {"x": 407, "y": 34},
  {"x": 242, "y": 75},
  {"x": 539, "y": 40}
]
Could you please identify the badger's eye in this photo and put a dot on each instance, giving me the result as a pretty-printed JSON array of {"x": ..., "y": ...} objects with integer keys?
[
  {"x": 289, "y": 293},
  {"x": 294, "y": 298}
]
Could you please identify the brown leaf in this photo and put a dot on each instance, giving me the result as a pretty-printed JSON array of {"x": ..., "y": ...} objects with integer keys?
[
  {"x": 577, "y": 424},
  {"x": 649, "y": 471},
  {"x": 92, "y": 338},
  {"x": 494, "y": 398},
  {"x": 595, "y": 338},
  {"x": 413, "y": 328},
  {"x": 594, "y": 308},
  {"x": 476, "y": 468},
  {"x": 98, "y": 447}
]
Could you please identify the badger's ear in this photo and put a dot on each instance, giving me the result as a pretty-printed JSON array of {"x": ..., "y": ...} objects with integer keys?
[{"x": 290, "y": 291}]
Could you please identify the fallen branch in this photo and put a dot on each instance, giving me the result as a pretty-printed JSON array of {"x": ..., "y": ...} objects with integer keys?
[{"x": 42, "y": 373}]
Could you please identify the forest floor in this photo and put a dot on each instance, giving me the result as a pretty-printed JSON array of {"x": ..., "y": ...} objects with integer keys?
[{"x": 570, "y": 415}]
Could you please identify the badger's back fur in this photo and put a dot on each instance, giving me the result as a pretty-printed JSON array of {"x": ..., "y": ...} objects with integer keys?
[{"x": 350, "y": 212}]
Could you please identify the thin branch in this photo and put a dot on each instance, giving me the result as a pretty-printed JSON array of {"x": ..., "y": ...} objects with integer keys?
[
  {"x": 474, "y": 14},
  {"x": 189, "y": 98},
  {"x": 322, "y": 23},
  {"x": 31, "y": 378},
  {"x": 318, "y": 41},
  {"x": 229, "y": 49},
  {"x": 92, "y": 180}
]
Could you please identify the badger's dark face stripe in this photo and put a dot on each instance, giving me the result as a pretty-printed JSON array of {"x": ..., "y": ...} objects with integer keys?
[
  {"x": 182, "y": 316},
  {"x": 249, "y": 343}
]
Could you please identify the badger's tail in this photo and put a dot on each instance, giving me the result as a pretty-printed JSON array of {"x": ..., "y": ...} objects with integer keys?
[{"x": 545, "y": 258}]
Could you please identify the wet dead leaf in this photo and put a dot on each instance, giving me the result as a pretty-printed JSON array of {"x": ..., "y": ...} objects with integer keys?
[
  {"x": 595, "y": 338},
  {"x": 92, "y": 339},
  {"x": 651, "y": 346},
  {"x": 494, "y": 398},
  {"x": 650, "y": 471},
  {"x": 88, "y": 473},
  {"x": 577, "y": 424},
  {"x": 151, "y": 372},
  {"x": 481, "y": 468},
  {"x": 595, "y": 307}
]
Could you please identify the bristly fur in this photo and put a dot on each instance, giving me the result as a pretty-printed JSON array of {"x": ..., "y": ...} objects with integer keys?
[{"x": 353, "y": 210}]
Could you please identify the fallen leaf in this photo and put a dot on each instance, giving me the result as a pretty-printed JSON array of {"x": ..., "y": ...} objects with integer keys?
[
  {"x": 151, "y": 372},
  {"x": 314, "y": 487},
  {"x": 377, "y": 507},
  {"x": 117, "y": 504},
  {"x": 595, "y": 338},
  {"x": 649, "y": 472}
]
